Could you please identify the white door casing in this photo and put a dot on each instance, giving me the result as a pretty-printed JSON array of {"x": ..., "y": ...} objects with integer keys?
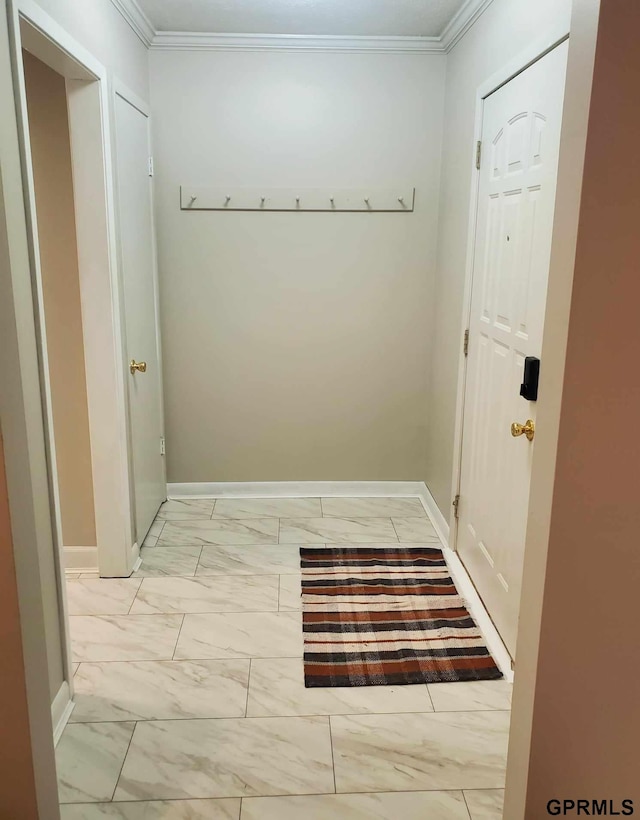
[
  {"x": 140, "y": 311},
  {"x": 520, "y": 144}
]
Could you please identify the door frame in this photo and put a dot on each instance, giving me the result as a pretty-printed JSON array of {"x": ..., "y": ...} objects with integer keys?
[
  {"x": 90, "y": 124},
  {"x": 537, "y": 49}
]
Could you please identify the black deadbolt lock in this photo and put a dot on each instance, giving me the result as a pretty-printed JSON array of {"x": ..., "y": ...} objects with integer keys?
[{"x": 529, "y": 386}]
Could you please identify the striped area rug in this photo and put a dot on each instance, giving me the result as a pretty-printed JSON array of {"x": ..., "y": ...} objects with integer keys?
[{"x": 386, "y": 616}]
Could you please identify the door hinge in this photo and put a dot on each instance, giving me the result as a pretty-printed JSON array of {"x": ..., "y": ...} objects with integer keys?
[
  {"x": 162, "y": 446},
  {"x": 465, "y": 346},
  {"x": 456, "y": 506},
  {"x": 150, "y": 166},
  {"x": 478, "y": 153}
]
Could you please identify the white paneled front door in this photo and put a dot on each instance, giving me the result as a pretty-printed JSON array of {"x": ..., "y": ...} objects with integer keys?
[
  {"x": 520, "y": 142},
  {"x": 140, "y": 312}
]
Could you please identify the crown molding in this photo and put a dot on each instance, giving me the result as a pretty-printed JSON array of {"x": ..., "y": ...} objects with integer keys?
[
  {"x": 462, "y": 21},
  {"x": 195, "y": 41},
  {"x": 137, "y": 19}
]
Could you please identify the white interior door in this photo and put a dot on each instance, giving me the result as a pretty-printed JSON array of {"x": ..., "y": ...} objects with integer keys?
[
  {"x": 140, "y": 310},
  {"x": 520, "y": 141}
]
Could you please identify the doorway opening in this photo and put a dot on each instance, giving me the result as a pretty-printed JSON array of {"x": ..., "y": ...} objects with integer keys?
[
  {"x": 66, "y": 144},
  {"x": 63, "y": 327}
]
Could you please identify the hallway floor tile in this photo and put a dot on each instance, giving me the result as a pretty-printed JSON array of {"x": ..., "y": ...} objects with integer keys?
[
  {"x": 160, "y": 690},
  {"x": 235, "y": 758},
  {"x": 190, "y": 697}
]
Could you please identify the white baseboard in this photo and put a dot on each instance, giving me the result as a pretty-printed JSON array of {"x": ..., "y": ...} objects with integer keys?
[
  {"x": 433, "y": 511},
  {"x": 81, "y": 559},
  {"x": 135, "y": 557},
  {"x": 61, "y": 709},
  {"x": 465, "y": 587},
  {"x": 295, "y": 489}
]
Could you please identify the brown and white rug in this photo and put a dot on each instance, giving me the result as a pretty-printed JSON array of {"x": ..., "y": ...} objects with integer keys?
[{"x": 386, "y": 616}]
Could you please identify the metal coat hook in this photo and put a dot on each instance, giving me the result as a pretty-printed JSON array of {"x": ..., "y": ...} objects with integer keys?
[{"x": 368, "y": 199}]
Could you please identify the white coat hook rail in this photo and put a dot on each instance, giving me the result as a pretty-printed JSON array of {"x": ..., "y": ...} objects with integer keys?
[{"x": 400, "y": 199}]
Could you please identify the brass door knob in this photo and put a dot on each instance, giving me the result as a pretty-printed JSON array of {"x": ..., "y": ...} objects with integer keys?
[
  {"x": 527, "y": 429},
  {"x": 141, "y": 367}
]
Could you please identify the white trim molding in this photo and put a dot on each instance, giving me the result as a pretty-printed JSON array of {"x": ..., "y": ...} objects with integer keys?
[
  {"x": 296, "y": 489},
  {"x": 433, "y": 511},
  {"x": 469, "y": 593},
  {"x": 195, "y": 41},
  {"x": 211, "y": 41},
  {"x": 461, "y": 22},
  {"x": 81, "y": 559},
  {"x": 137, "y": 19},
  {"x": 61, "y": 709},
  {"x": 317, "y": 489}
]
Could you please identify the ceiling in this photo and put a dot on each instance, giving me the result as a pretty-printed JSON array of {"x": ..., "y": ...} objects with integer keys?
[{"x": 408, "y": 18}]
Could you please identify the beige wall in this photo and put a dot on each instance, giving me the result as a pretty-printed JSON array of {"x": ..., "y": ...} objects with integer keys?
[
  {"x": 296, "y": 346},
  {"x": 500, "y": 34},
  {"x": 51, "y": 156},
  {"x": 585, "y": 719}
]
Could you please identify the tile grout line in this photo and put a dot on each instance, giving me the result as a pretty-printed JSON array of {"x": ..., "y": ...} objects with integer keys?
[
  {"x": 175, "y": 648},
  {"x": 246, "y": 703},
  {"x": 124, "y": 759},
  {"x": 333, "y": 762},
  {"x": 195, "y": 572},
  {"x": 433, "y": 706},
  {"x": 218, "y": 658},
  {"x": 280, "y": 796},
  {"x": 466, "y": 805},
  {"x": 282, "y": 716},
  {"x": 135, "y": 597},
  {"x": 209, "y": 612}
]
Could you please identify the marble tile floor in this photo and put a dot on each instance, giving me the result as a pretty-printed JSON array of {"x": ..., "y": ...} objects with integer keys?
[{"x": 189, "y": 686}]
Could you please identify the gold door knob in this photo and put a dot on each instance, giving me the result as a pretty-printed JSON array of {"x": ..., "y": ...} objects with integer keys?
[
  {"x": 527, "y": 429},
  {"x": 141, "y": 367}
]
